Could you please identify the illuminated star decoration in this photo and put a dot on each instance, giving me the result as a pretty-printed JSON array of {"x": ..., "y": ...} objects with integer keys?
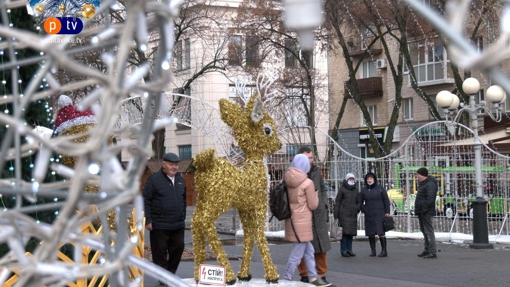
[{"x": 61, "y": 8}]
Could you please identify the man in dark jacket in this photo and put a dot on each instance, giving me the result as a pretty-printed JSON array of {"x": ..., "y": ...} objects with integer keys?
[
  {"x": 425, "y": 208},
  {"x": 320, "y": 242},
  {"x": 164, "y": 197}
]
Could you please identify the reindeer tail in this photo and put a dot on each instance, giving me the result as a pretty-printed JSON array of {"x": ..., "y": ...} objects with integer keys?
[{"x": 204, "y": 160}]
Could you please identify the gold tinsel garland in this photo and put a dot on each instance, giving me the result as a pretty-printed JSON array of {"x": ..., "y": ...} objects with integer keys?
[
  {"x": 221, "y": 185},
  {"x": 70, "y": 161}
]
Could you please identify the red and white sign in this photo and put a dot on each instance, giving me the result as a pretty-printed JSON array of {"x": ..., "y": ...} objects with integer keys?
[{"x": 212, "y": 275}]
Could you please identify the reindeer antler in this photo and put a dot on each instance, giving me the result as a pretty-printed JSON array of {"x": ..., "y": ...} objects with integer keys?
[
  {"x": 241, "y": 83},
  {"x": 264, "y": 82}
]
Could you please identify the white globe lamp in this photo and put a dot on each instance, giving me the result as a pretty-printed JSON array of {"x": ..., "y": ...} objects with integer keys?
[
  {"x": 503, "y": 100},
  {"x": 455, "y": 104},
  {"x": 495, "y": 94},
  {"x": 444, "y": 99},
  {"x": 471, "y": 86}
]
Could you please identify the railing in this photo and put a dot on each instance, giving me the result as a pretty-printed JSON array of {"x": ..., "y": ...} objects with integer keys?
[{"x": 367, "y": 87}]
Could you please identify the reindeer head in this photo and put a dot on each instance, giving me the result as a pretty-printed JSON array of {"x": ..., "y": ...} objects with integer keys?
[{"x": 253, "y": 128}]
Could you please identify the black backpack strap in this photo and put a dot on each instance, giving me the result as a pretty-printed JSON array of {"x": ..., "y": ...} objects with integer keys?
[{"x": 292, "y": 224}]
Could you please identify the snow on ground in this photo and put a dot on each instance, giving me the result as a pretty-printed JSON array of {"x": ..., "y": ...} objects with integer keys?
[{"x": 440, "y": 236}]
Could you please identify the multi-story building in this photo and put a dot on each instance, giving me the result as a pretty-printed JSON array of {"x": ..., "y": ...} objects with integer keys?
[
  {"x": 433, "y": 71},
  {"x": 245, "y": 55},
  {"x": 238, "y": 53}
]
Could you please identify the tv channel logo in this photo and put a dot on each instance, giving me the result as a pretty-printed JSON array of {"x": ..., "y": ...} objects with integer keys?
[{"x": 63, "y": 25}]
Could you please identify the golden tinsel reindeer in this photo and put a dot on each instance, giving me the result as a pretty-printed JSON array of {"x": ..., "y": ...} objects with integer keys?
[{"x": 221, "y": 186}]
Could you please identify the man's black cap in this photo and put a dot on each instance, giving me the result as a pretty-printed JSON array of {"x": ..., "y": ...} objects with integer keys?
[
  {"x": 171, "y": 157},
  {"x": 423, "y": 171}
]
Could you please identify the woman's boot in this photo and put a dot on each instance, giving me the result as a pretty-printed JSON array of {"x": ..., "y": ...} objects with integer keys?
[
  {"x": 383, "y": 245},
  {"x": 372, "y": 246}
]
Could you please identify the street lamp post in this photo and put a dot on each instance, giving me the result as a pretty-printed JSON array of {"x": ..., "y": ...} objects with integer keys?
[{"x": 446, "y": 100}]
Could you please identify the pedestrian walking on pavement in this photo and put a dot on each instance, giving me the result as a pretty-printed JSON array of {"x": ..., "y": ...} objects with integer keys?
[
  {"x": 164, "y": 197},
  {"x": 375, "y": 204},
  {"x": 425, "y": 209},
  {"x": 347, "y": 207},
  {"x": 320, "y": 218},
  {"x": 298, "y": 229}
]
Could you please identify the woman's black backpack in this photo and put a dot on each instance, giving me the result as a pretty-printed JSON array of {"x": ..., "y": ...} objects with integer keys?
[{"x": 279, "y": 202}]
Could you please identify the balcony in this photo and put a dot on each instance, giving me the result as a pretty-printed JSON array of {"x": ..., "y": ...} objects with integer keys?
[
  {"x": 358, "y": 49},
  {"x": 368, "y": 87}
]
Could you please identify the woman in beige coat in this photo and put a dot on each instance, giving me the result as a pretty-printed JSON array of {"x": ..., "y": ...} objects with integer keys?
[{"x": 298, "y": 229}]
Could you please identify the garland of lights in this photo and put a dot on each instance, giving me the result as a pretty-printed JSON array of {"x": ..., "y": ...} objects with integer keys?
[
  {"x": 63, "y": 8},
  {"x": 96, "y": 162}
]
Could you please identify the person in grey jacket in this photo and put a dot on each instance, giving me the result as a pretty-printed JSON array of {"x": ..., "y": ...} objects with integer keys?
[
  {"x": 425, "y": 209},
  {"x": 375, "y": 204},
  {"x": 164, "y": 197},
  {"x": 320, "y": 217},
  {"x": 347, "y": 207}
]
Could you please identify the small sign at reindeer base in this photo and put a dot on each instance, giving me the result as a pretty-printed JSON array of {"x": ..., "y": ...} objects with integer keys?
[{"x": 212, "y": 275}]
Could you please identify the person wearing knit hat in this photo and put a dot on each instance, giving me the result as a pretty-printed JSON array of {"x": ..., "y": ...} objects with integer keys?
[
  {"x": 423, "y": 171},
  {"x": 298, "y": 229},
  {"x": 347, "y": 207},
  {"x": 375, "y": 204},
  {"x": 425, "y": 209},
  {"x": 320, "y": 222},
  {"x": 301, "y": 162}
]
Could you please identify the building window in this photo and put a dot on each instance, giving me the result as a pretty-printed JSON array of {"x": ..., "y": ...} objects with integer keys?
[
  {"x": 182, "y": 54},
  {"x": 290, "y": 51},
  {"x": 235, "y": 51},
  {"x": 181, "y": 108},
  {"x": 367, "y": 37},
  {"x": 233, "y": 94},
  {"x": 405, "y": 67},
  {"x": 292, "y": 149},
  {"x": 185, "y": 151},
  {"x": 480, "y": 97},
  {"x": 252, "y": 51},
  {"x": 429, "y": 60},
  {"x": 297, "y": 107},
  {"x": 408, "y": 109},
  {"x": 372, "y": 110},
  {"x": 368, "y": 69},
  {"x": 307, "y": 57}
]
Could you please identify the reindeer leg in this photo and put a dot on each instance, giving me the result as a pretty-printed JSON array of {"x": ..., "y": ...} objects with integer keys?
[
  {"x": 198, "y": 235},
  {"x": 261, "y": 240},
  {"x": 249, "y": 239},
  {"x": 217, "y": 248}
]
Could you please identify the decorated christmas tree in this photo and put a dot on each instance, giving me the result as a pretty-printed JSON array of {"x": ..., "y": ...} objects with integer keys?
[{"x": 38, "y": 113}]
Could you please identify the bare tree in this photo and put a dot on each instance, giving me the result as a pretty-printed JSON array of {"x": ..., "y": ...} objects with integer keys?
[
  {"x": 389, "y": 26},
  {"x": 200, "y": 20},
  {"x": 301, "y": 86}
]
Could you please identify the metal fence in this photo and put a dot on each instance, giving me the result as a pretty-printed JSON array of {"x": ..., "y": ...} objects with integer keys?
[{"x": 448, "y": 157}]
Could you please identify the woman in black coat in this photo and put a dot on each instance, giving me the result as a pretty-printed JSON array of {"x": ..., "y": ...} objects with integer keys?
[
  {"x": 376, "y": 207},
  {"x": 347, "y": 206}
]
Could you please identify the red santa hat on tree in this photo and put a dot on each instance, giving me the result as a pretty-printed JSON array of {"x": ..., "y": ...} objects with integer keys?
[{"x": 69, "y": 116}]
